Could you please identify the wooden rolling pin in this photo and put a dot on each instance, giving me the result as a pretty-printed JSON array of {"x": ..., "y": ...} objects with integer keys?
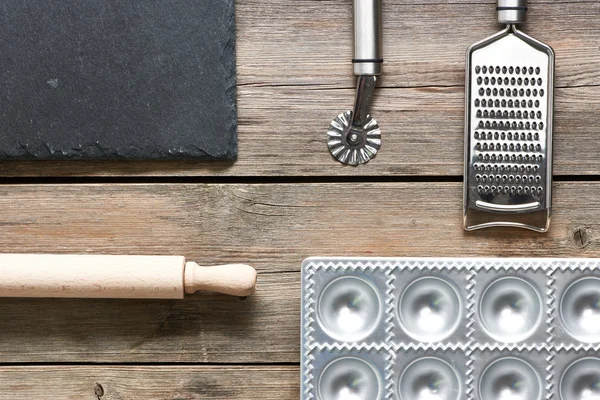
[{"x": 130, "y": 277}]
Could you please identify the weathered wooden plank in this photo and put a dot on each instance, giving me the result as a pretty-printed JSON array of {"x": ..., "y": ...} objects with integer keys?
[
  {"x": 295, "y": 76},
  {"x": 273, "y": 227},
  {"x": 143, "y": 383},
  {"x": 283, "y": 133},
  {"x": 284, "y": 43},
  {"x": 202, "y": 328}
]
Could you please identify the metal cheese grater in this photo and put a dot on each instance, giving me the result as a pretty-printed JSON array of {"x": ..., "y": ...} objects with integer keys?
[
  {"x": 354, "y": 137},
  {"x": 508, "y": 127}
]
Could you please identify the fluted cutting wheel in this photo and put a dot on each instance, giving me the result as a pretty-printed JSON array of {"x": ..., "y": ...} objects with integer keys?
[{"x": 350, "y": 145}]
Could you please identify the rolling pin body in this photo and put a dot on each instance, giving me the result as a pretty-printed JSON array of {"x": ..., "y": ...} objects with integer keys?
[{"x": 133, "y": 277}]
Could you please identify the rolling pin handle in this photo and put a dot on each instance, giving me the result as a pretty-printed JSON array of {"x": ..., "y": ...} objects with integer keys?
[{"x": 233, "y": 279}]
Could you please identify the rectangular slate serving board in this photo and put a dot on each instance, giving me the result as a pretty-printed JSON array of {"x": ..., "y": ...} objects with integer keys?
[{"x": 104, "y": 79}]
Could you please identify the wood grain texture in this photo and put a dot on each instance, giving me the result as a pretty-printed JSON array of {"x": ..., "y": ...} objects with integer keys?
[
  {"x": 273, "y": 227},
  {"x": 204, "y": 328},
  {"x": 424, "y": 41},
  {"x": 295, "y": 76},
  {"x": 144, "y": 383}
]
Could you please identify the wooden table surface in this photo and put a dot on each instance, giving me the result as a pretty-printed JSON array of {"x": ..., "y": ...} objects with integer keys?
[{"x": 285, "y": 199}]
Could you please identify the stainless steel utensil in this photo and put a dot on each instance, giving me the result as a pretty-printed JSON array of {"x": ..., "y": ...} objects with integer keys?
[
  {"x": 450, "y": 329},
  {"x": 354, "y": 137},
  {"x": 508, "y": 127}
]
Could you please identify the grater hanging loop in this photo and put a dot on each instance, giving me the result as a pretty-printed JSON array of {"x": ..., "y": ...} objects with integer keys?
[{"x": 511, "y": 12}]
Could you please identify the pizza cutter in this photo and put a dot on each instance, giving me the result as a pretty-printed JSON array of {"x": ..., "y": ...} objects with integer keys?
[{"x": 354, "y": 137}]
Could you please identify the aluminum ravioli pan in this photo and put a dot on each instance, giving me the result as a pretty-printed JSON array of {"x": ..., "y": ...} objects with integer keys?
[{"x": 450, "y": 329}]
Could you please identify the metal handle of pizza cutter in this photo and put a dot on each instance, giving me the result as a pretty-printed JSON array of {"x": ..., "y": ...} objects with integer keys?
[{"x": 368, "y": 49}]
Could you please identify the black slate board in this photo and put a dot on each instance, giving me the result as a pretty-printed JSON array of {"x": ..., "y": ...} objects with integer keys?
[{"x": 99, "y": 79}]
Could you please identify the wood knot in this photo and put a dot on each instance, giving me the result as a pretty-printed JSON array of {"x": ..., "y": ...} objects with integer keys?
[
  {"x": 98, "y": 391},
  {"x": 581, "y": 236}
]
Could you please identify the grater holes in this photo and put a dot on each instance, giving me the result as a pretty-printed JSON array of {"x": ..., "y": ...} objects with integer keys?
[
  {"x": 508, "y": 96},
  {"x": 497, "y": 185}
]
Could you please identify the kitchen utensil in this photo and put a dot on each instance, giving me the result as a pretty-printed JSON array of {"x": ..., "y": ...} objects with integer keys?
[
  {"x": 354, "y": 136},
  {"x": 450, "y": 329},
  {"x": 135, "y": 277},
  {"x": 508, "y": 127}
]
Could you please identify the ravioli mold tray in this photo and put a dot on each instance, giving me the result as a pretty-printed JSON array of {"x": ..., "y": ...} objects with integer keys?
[{"x": 450, "y": 329}]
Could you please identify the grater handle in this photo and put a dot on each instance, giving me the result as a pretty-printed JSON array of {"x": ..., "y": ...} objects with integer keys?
[
  {"x": 368, "y": 48},
  {"x": 512, "y": 12}
]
